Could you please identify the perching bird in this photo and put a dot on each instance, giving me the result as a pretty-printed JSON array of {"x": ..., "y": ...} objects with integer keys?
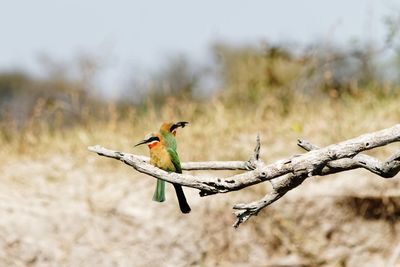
[
  {"x": 163, "y": 155},
  {"x": 168, "y": 131}
]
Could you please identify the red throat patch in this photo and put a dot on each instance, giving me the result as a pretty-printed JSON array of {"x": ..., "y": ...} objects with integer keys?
[
  {"x": 152, "y": 144},
  {"x": 174, "y": 132}
]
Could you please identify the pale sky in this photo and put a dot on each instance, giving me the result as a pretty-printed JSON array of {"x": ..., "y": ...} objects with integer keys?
[{"x": 131, "y": 35}]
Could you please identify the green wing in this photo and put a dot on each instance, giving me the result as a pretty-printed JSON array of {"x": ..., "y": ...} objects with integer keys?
[
  {"x": 175, "y": 159},
  {"x": 169, "y": 140}
]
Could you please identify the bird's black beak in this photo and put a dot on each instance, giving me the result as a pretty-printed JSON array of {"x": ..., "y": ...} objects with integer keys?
[
  {"x": 178, "y": 124},
  {"x": 148, "y": 139},
  {"x": 182, "y": 124},
  {"x": 142, "y": 142}
]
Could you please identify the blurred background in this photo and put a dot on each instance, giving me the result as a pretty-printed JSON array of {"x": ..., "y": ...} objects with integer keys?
[{"x": 79, "y": 73}]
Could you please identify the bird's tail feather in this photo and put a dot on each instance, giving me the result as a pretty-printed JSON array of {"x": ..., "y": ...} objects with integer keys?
[
  {"x": 159, "y": 194},
  {"x": 183, "y": 205}
]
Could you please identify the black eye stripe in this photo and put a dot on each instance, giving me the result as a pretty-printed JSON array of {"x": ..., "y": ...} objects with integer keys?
[{"x": 153, "y": 138}]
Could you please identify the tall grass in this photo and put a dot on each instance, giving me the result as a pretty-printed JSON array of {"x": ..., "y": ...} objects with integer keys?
[{"x": 269, "y": 89}]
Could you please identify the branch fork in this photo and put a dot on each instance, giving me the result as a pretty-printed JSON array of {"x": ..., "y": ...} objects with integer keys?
[{"x": 284, "y": 175}]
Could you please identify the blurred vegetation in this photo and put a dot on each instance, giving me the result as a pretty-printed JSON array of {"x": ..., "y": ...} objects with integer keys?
[
  {"x": 264, "y": 79},
  {"x": 323, "y": 92}
]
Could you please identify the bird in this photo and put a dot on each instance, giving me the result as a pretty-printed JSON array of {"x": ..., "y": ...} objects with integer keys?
[
  {"x": 163, "y": 155},
  {"x": 168, "y": 131}
]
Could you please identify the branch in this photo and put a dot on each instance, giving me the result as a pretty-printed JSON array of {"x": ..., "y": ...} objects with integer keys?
[
  {"x": 187, "y": 166},
  {"x": 386, "y": 169},
  {"x": 284, "y": 175},
  {"x": 206, "y": 184},
  {"x": 280, "y": 187}
]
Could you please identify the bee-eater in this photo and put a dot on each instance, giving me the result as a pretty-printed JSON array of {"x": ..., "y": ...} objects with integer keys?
[
  {"x": 168, "y": 132},
  {"x": 163, "y": 155}
]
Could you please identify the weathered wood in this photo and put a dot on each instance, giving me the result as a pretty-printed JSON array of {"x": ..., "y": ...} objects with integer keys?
[
  {"x": 284, "y": 175},
  {"x": 386, "y": 169}
]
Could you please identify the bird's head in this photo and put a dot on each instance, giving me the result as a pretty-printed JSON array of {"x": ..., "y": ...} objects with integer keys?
[
  {"x": 152, "y": 140},
  {"x": 171, "y": 127}
]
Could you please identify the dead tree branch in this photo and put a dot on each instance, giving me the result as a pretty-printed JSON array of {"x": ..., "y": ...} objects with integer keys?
[
  {"x": 284, "y": 175},
  {"x": 386, "y": 169}
]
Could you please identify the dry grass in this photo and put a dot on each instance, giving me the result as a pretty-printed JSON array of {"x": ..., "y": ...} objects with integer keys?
[{"x": 63, "y": 206}]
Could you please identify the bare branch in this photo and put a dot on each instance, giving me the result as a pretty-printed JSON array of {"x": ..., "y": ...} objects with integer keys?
[
  {"x": 250, "y": 209},
  {"x": 208, "y": 185},
  {"x": 284, "y": 175},
  {"x": 280, "y": 187},
  {"x": 386, "y": 169},
  {"x": 187, "y": 166}
]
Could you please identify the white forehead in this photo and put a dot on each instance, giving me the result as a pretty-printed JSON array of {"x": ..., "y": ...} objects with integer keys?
[{"x": 148, "y": 136}]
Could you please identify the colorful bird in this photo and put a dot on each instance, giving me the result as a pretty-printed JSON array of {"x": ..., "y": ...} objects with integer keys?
[{"x": 163, "y": 155}]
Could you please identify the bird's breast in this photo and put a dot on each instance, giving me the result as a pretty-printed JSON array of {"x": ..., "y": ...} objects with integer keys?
[{"x": 161, "y": 159}]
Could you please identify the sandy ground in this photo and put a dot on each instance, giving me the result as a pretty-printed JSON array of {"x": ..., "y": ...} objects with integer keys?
[{"x": 57, "y": 211}]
